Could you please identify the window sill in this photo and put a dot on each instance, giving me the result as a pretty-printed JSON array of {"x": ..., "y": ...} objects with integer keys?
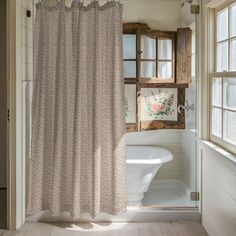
[{"x": 223, "y": 152}]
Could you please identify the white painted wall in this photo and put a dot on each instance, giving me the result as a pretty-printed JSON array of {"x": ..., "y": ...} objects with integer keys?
[
  {"x": 158, "y": 14},
  {"x": 218, "y": 191}
]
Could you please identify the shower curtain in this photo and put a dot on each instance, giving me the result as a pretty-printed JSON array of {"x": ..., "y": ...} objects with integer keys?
[{"x": 77, "y": 162}]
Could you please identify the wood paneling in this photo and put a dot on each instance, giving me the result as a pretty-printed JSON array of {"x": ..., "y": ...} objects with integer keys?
[
  {"x": 183, "y": 56},
  {"x": 218, "y": 192}
]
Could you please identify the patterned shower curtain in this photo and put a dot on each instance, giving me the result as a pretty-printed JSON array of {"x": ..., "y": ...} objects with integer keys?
[{"x": 77, "y": 162}]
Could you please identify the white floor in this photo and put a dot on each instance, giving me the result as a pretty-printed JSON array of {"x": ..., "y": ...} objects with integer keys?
[
  {"x": 166, "y": 197},
  {"x": 110, "y": 229}
]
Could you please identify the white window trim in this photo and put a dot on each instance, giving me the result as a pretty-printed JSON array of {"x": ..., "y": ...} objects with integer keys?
[{"x": 220, "y": 141}]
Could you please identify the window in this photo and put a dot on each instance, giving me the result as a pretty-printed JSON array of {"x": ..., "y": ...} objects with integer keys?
[
  {"x": 153, "y": 90},
  {"x": 223, "y": 80},
  {"x": 157, "y": 58},
  {"x": 129, "y": 55}
]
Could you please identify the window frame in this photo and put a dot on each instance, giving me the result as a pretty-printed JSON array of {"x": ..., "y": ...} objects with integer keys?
[
  {"x": 162, "y": 36},
  {"x": 130, "y": 127},
  {"x": 222, "y": 141},
  {"x": 138, "y": 29}
]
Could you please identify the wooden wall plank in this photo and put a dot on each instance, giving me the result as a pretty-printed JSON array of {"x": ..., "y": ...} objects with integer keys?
[{"x": 184, "y": 55}]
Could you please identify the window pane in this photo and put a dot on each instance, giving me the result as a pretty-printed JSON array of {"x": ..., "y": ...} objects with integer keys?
[
  {"x": 148, "y": 69},
  {"x": 217, "y": 92},
  {"x": 164, "y": 49},
  {"x": 222, "y": 56},
  {"x": 129, "y": 69},
  {"x": 129, "y": 46},
  {"x": 222, "y": 25},
  {"x": 233, "y": 21},
  {"x": 230, "y": 93},
  {"x": 230, "y": 126},
  {"x": 148, "y": 47},
  {"x": 130, "y": 103},
  {"x": 164, "y": 70},
  {"x": 216, "y": 121},
  {"x": 233, "y": 55}
]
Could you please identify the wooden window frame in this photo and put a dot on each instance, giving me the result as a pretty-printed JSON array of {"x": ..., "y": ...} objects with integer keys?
[
  {"x": 159, "y": 35},
  {"x": 139, "y": 29}
]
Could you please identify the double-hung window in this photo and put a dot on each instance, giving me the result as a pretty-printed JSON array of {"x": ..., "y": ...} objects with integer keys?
[{"x": 223, "y": 79}]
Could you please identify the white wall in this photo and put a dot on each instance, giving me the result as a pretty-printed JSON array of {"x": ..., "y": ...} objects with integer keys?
[
  {"x": 218, "y": 191},
  {"x": 158, "y": 14},
  {"x": 189, "y": 159}
]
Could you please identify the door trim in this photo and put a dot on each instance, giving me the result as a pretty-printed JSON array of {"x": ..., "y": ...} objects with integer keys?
[{"x": 15, "y": 175}]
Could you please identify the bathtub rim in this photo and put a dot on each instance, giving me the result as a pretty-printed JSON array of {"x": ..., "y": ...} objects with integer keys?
[{"x": 158, "y": 160}]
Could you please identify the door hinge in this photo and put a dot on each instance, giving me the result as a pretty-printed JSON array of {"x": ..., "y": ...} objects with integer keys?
[
  {"x": 194, "y": 196},
  {"x": 8, "y": 114},
  {"x": 195, "y": 9}
]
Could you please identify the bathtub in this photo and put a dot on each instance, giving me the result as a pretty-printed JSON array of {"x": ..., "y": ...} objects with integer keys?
[{"x": 142, "y": 163}]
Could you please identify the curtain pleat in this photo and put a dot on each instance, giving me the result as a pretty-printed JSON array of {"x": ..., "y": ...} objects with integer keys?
[{"x": 77, "y": 162}]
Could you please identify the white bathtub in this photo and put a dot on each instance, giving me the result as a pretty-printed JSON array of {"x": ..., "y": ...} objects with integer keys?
[{"x": 143, "y": 162}]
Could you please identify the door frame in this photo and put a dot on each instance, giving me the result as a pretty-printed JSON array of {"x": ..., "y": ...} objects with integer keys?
[{"x": 15, "y": 161}]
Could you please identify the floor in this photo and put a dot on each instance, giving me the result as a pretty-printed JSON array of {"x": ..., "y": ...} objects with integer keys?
[
  {"x": 168, "y": 197},
  {"x": 110, "y": 229}
]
